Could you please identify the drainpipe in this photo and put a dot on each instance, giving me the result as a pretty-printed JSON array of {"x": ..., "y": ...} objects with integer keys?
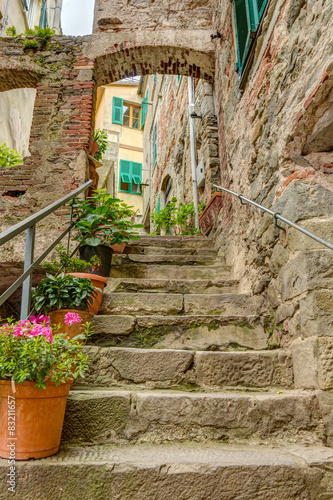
[
  {"x": 5, "y": 19},
  {"x": 193, "y": 145}
]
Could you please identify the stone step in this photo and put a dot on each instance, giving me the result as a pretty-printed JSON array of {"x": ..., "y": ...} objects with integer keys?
[
  {"x": 170, "y": 285},
  {"x": 133, "y": 416},
  {"x": 180, "y": 260},
  {"x": 195, "y": 332},
  {"x": 198, "y": 369},
  {"x": 175, "y": 472},
  {"x": 172, "y": 242},
  {"x": 148, "y": 271},
  {"x": 172, "y": 303},
  {"x": 143, "y": 250}
]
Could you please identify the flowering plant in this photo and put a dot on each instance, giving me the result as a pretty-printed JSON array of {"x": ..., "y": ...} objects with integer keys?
[{"x": 33, "y": 350}]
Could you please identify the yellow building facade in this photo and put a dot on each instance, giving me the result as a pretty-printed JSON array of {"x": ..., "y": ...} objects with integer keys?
[{"x": 119, "y": 115}]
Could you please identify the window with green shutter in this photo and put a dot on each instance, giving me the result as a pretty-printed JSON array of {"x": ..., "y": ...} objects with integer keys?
[
  {"x": 130, "y": 177},
  {"x": 248, "y": 14},
  {"x": 117, "y": 110},
  {"x": 144, "y": 110},
  {"x": 154, "y": 144},
  {"x": 43, "y": 16}
]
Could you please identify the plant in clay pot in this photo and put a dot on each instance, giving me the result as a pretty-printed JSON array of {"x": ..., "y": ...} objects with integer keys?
[
  {"x": 102, "y": 221},
  {"x": 58, "y": 295},
  {"x": 36, "y": 366},
  {"x": 73, "y": 266}
]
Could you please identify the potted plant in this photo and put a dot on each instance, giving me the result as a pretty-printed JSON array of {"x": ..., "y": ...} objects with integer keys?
[
  {"x": 58, "y": 295},
  {"x": 36, "y": 365},
  {"x": 102, "y": 221},
  {"x": 81, "y": 269},
  {"x": 177, "y": 220}
]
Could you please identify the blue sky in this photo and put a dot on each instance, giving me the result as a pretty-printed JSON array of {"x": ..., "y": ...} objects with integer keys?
[{"x": 77, "y": 17}]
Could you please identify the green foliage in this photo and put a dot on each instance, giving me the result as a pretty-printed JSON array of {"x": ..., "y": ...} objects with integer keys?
[
  {"x": 25, "y": 358},
  {"x": 63, "y": 262},
  {"x": 43, "y": 34},
  {"x": 11, "y": 31},
  {"x": 63, "y": 292},
  {"x": 101, "y": 137},
  {"x": 9, "y": 157},
  {"x": 103, "y": 220},
  {"x": 177, "y": 219},
  {"x": 31, "y": 44}
]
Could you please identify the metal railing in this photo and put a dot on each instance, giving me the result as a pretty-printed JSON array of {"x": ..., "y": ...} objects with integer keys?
[
  {"x": 30, "y": 265},
  {"x": 276, "y": 216}
]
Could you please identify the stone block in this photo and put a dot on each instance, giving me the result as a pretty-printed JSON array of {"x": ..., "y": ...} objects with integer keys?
[
  {"x": 113, "y": 325},
  {"x": 313, "y": 362},
  {"x": 249, "y": 369},
  {"x": 220, "y": 304},
  {"x": 141, "y": 303},
  {"x": 316, "y": 313},
  {"x": 143, "y": 271},
  {"x": 306, "y": 271},
  {"x": 298, "y": 241}
]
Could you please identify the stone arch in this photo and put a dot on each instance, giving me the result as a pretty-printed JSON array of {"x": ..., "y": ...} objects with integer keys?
[{"x": 141, "y": 53}]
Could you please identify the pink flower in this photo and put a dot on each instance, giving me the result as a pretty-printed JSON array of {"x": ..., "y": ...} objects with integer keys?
[
  {"x": 40, "y": 319},
  {"x": 72, "y": 318}
]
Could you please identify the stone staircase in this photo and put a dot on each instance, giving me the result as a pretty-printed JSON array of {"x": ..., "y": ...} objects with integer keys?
[{"x": 183, "y": 400}]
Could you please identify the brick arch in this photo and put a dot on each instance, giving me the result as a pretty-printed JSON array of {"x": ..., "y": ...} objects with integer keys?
[
  {"x": 17, "y": 78},
  {"x": 116, "y": 56}
]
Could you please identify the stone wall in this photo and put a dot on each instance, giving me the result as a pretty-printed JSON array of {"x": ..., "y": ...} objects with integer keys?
[
  {"x": 151, "y": 15},
  {"x": 276, "y": 141}
]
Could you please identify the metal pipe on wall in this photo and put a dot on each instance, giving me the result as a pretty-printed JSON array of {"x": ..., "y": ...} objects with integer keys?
[{"x": 193, "y": 146}]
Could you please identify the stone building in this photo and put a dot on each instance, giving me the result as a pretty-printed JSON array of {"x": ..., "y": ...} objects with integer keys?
[
  {"x": 267, "y": 70},
  {"x": 167, "y": 143},
  {"x": 118, "y": 113}
]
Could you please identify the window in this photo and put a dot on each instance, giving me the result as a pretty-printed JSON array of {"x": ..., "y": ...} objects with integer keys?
[
  {"x": 154, "y": 144},
  {"x": 130, "y": 177},
  {"x": 126, "y": 113},
  {"x": 43, "y": 16},
  {"x": 248, "y": 14},
  {"x": 144, "y": 110}
]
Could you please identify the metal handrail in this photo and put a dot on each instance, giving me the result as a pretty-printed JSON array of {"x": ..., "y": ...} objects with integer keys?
[
  {"x": 276, "y": 216},
  {"x": 30, "y": 264}
]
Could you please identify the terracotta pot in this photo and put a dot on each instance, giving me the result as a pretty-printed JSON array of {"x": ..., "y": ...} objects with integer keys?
[
  {"x": 39, "y": 417},
  {"x": 98, "y": 281},
  {"x": 58, "y": 317},
  {"x": 94, "y": 148},
  {"x": 118, "y": 248}
]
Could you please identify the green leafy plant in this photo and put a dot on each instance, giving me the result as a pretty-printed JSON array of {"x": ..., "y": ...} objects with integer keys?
[
  {"x": 101, "y": 137},
  {"x": 64, "y": 263},
  {"x": 30, "y": 350},
  {"x": 11, "y": 31},
  {"x": 103, "y": 220},
  {"x": 63, "y": 292},
  {"x": 31, "y": 44},
  {"x": 9, "y": 157},
  {"x": 177, "y": 219}
]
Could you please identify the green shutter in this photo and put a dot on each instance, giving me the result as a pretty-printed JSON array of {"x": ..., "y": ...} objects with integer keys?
[
  {"x": 154, "y": 143},
  {"x": 125, "y": 173},
  {"x": 159, "y": 204},
  {"x": 178, "y": 79},
  {"x": 43, "y": 16},
  {"x": 117, "y": 110},
  {"x": 144, "y": 109},
  {"x": 136, "y": 173},
  {"x": 243, "y": 30}
]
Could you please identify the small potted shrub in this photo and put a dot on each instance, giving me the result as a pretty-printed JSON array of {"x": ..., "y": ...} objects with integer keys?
[
  {"x": 59, "y": 295},
  {"x": 101, "y": 222},
  {"x": 81, "y": 269},
  {"x": 36, "y": 365}
]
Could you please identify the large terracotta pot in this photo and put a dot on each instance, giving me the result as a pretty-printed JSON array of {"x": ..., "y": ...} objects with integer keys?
[
  {"x": 99, "y": 282},
  {"x": 39, "y": 416},
  {"x": 58, "y": 317}
]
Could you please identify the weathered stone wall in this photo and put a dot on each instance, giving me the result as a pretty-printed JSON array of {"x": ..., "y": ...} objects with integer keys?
[
  {"x": 276, "y": 141},
  {"x": 151, "y": 14}
]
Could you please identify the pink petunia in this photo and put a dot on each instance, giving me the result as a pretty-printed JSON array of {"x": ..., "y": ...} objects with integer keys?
[
  {"x": 72, "y": 318},
  {"x": 40, "y": 319}
]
